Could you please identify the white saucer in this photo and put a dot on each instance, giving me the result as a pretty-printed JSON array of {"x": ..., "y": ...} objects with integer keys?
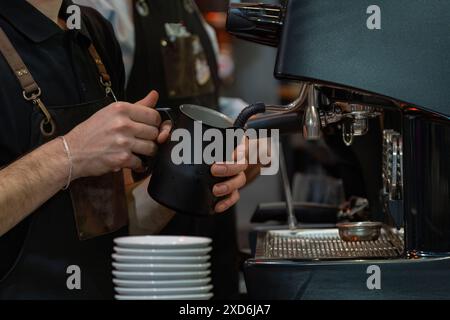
[
  {"x": 149, "y": 276},
  {"x": 162, "y": 291},
  {"x": 161, "y": 283},
  {"x": 150, "y": 267},
  {"x": 160, "y": 259},
  {"x": 205, "y": 296},
  {"x": 162, "y": 252},
  {"x": 166, "y": 242}
]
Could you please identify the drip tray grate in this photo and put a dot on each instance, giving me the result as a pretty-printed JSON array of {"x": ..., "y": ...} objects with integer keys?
[{"x": 325, "y": 244}]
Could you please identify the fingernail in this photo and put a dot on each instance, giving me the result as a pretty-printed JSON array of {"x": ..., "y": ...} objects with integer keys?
[
  {"x": 220, "y": 169},
  {"x": 221, "y": 189}
]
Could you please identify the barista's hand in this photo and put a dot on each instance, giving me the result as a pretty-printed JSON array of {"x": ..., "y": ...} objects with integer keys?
[
  {"x": 236, "y": 172},
  {"x": 164, "y": 131},
  {"x": 111, "y": 138}
]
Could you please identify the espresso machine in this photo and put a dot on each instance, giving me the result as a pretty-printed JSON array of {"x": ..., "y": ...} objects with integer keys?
[{"x": 356, "y": 61}]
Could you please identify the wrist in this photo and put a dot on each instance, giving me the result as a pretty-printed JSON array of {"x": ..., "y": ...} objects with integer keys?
[
  {"x": 55, "y": 158},
  {"x": 70, "y": 162},
  {"x": 75, "y": 157}
]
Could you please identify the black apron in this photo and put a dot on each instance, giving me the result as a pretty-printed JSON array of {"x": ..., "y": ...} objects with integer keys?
[
  {"x": 53, "y": 232},
  {"x": 175, "y": 69}
]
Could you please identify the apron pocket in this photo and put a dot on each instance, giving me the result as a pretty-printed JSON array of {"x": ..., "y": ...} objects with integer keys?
[{"x": 186, "y": 68}]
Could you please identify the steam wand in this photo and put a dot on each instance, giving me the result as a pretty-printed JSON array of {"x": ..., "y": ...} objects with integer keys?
[
  {"x": 292, "y": 220},
  {"x": 308, "y": 100}
]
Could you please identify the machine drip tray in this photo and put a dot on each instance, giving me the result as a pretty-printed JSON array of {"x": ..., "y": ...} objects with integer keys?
[
  {"x": 317, "y": 264},
  {"x": 325, "y": 244}
]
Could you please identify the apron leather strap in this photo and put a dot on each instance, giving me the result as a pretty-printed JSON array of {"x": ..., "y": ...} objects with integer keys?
[
  {"x": 17, "y": 65},
  {"x": 100, "y": 66},
  {"x": 24, "y": 76},
  {"x": 31, "y": 90}
]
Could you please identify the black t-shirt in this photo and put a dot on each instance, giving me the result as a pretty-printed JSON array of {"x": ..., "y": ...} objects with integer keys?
[
  {"x": 59, "y": 62},
  {"x": 63, "y": 68}
]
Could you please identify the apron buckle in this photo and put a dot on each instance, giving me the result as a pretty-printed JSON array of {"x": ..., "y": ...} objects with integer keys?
[
  {"x": 47, "y": 124},
  {"x": 108, "y": 88},
  {"x": 33, "y": 95}
]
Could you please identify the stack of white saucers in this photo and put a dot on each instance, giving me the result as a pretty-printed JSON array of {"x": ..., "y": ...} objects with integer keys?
[{"x": 162, "y": 268}]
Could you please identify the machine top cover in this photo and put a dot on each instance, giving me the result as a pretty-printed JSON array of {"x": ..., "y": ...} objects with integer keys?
[{"x": 398, "y": 49}]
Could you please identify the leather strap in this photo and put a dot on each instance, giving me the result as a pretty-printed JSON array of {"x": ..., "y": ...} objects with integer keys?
[
  {"x": 27, "y": 82},
  {"x": 100, "y": 66},
  {"x": 17, "y": 65},
  {"x": 31, "y": 90}
]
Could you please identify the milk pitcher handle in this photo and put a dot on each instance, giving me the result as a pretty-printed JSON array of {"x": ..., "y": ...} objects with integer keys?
[
  {"x": 165, "y": 114},
  {"x": 149, "y": 162}
]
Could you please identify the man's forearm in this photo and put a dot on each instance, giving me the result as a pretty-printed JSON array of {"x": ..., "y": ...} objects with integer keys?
[
  {"x": 146, "y": 215},
  {"x": 30, "y": 181}
]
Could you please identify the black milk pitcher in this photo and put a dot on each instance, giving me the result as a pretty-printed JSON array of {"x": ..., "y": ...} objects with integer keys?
[{"x": 187, "y": 187}]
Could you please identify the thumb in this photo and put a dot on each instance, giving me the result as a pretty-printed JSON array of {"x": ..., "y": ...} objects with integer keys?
[{"x": 150, "y": 100}]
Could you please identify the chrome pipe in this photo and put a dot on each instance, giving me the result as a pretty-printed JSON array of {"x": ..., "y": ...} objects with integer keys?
[{"x": 295, "y": 105}]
